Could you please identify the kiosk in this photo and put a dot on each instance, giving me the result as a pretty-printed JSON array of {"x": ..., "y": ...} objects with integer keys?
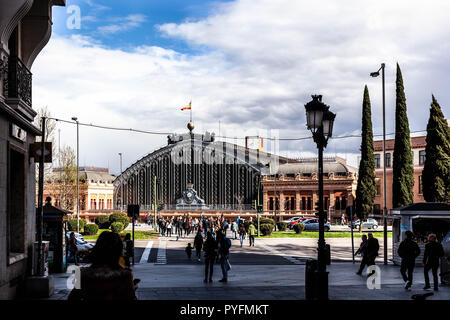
[
  {"x": 54, "y": 231},
  {"x": 422, "y": 219}
]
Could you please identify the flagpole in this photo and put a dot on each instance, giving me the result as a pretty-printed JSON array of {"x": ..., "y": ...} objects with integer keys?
[{"x": 190, "y": 104}]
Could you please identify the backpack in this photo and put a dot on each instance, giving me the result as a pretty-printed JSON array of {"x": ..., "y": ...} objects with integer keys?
[{"x": 228, "y": 243}]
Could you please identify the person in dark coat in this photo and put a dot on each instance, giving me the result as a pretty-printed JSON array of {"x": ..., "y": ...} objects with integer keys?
[
  {"x": 433, "y": 252},
  {"x": 210, "y": 248},
  {"x": 128, "y": 249},
  {"x": 408, "y": 250},
  {"x": 363, "y": 251},
  {"x": 224, "y": 251},
  {"x": 106, "y": 279},
  {"x": 198, "y": 244},
  {"x": 372, "y": 249}
]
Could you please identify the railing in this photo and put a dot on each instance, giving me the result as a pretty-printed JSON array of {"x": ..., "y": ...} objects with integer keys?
[{"x": 17, "y": 82}]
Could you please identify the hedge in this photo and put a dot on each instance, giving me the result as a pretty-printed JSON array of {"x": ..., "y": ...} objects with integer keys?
[
  {"x": 299, "y": 227},
  {"x": 120, "y": 217},
  {"x": 282, "y": 226},
  {"x": 90, "y": 229},
  {"x": 266, "y": 229},
  {"x": 103, "y": 222},
  {"x": 117, "y": 227},
  {"x": 72, "y": 224},
  {"x": 264, "y": 220}
]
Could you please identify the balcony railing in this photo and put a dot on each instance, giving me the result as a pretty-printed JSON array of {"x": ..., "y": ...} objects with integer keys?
[{"x": 17, "y": 80}]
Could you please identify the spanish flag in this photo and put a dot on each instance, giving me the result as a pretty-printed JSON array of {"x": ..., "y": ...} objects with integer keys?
[{"x": 188, "y": 107}]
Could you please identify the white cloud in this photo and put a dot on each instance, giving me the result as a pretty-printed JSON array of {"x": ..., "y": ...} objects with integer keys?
[
  {"x": 123, "y": 24},
  {"x": 260, "y": 62}
]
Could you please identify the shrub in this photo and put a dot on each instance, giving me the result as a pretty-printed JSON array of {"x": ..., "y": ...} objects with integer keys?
[
  {"x": 282, "y": 226},
  {"x": 119, "y": 217},
  {"x": 90, "y": 229},
  {"x": 299, "y": 227},
  {"x": 103, "y": 222},
  {"x": 72, "y": 224},
  {"x": 117, "y": 227},
  {"x": 263, "y": 220},
  {"x": 266, "y": 229}
]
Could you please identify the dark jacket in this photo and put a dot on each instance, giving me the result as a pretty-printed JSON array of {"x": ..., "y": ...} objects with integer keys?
[
  {"x": 224, "y": 250},
  {"x": 198, "y": 241},
  {"x": 408, "y": 250},
  {"x": 105, "y": 283},
  {"x": 210, "y": 247},
  {"x": 433, "y": 251},
  {"x": 362, "y": 249},
  {"x": 372, "y": 247}
]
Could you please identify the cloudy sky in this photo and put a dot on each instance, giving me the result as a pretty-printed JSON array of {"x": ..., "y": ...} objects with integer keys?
[{"x": 250, "y": 65}]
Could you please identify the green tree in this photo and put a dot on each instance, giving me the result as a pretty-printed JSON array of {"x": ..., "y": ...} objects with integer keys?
[
  {"x": 403, "y": 170},
  {"x": 365, "y": 192},
  {"x": 436, "y": 170}
]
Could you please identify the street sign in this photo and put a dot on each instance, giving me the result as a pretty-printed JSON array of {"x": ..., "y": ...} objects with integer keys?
[{"x": 36, "y": 151}]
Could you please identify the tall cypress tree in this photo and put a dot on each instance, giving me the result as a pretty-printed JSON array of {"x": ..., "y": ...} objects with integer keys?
[
  {"x": 403, "y": 169},
  {"x": 365, "y": 192},
  {"x": 436, "y": 171}
]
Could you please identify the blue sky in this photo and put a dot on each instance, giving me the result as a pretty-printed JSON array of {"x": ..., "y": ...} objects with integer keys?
[
  {"x": 249, "y": 64},
  {"x": 127, "y": 24}
]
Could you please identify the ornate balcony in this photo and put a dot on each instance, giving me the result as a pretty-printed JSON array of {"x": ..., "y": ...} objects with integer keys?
[{"x": 16, "y": 80}]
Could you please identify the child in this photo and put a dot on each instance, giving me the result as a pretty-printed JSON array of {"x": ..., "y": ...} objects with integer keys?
[{"x": 189, "y": 251}]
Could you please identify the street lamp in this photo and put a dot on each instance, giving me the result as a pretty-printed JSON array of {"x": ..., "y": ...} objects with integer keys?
[
  {"x": 320, "y": 121},
  {"x": 374, "y": 75},
  {"x": 78, "y": 169}
]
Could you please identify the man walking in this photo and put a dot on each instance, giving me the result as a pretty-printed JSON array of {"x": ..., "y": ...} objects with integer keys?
[
  {"x": 251, "y": 234},
  {"x": 198, "y": 244},
  {"x": 408, "y": 250},
  {"x": 210, "y": 248},
  {"x": 433, "y": 252},
  {"x": 372, "y": 249},
  {"x": 363, "y": 251}
]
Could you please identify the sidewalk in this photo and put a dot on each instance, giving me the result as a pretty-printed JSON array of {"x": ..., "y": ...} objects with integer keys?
[{"x": 263, "y": 282}]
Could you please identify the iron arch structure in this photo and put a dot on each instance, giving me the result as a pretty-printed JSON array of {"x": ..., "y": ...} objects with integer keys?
[{"x": 226, "y": 176}]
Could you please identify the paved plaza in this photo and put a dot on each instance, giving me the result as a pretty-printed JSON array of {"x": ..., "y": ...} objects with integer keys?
[{"x": 274, "y": 269}]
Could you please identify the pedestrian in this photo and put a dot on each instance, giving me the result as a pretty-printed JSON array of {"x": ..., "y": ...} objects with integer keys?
[
  {"x": 242, "y": 233},
  {"x": 73, "y": 249},
  {"x": 169, "y": 229},
  {"x": 433, "y": 252},
  {"x": 342, "y": 220},
  {"x": 127, "y": 249},
  {"x": 224, "y": 245},
  {"x": 198, "y": 244},
  {"x": 225, "y": 226},
  {"x": 106, "y": 279},
  {"x": 372, "y": 249},
  {"x": 210, "y": 249},
  {"x": 234, "y": 229},
  {"x": 408, "y": 250},
  {"x": 251, "y": 234},
  {"x": 189, "y": 251},
  {"x": 363, "y": 251}
]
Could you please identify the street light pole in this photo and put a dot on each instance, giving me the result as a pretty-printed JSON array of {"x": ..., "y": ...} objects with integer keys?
[
  {"x": 121, "y": 184},
  {"x": 376, "y": 74},
  {"x": 78, "y": 179},
  {"x": 320, "y": 121}
]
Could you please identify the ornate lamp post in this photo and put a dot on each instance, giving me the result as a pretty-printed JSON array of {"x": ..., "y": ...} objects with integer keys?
[
  {"x": 78, "y": 179},
  {"x": 320, "y": 121}
]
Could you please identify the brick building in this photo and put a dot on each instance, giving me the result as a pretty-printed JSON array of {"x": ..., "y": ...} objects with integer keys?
[
  {"x": 418, "y": 145},
  {"x": 296, "y": 188}
]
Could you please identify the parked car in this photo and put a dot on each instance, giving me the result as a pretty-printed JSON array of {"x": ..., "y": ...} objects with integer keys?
[
  {"x": 313, "y": 224},
  {"x": 82, "y": 245},
  {"x": 368, "y": 224},
  {"x": 291, "y": 224}
]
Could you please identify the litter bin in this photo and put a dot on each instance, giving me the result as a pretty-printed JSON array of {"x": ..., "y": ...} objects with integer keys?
[
  {"x": 311, "y": 279},
  {"x": 327, "y": 254}
]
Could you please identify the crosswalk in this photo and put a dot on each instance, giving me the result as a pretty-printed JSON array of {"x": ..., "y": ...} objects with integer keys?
[
  {"x": 146, "y": 254},
  {"x": 161, "y": 257}
]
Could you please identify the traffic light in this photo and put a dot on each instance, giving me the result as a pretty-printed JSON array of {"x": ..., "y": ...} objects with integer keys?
[
  {"x": 259, "y": 208},
  {"x": 316, "y": 206},
  {"x": 133, "y": 211}
]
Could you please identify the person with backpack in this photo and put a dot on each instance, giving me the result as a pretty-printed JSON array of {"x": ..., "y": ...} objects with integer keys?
[
  {"x": 408, "y": 250},
  {"x": 210, "y": 248},
  {"x": 224, "y": 250},
  {"x": 225, "y": 226},
  {"x": 433, "y": 252}
]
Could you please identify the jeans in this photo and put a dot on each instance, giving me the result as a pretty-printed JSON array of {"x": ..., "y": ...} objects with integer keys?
[
  {"x": 234, "y": 234},
  {"x": 241, "y": 238},
  {"x": 74, "y": 254},
  {"x": 224, "y": 266},
  {"x": 251, "y": 240},
  {"x": 209, "y": 262}
]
